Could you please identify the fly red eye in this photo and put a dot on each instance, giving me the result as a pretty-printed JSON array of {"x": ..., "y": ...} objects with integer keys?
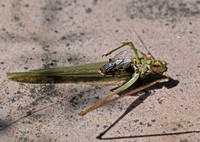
[{"x": 101, "y": 68}]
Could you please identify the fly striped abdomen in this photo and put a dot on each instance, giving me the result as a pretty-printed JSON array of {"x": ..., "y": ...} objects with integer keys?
[{"x": 114, "y": 66}]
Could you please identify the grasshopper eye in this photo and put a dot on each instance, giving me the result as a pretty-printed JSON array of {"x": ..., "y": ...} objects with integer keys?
[{"x": 164, "y": 63}]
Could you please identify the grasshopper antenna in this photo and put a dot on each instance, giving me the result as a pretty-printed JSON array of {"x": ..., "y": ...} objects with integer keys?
[
  {"x": 142, "y": 43},
  {"x": 146, "y": 47}
]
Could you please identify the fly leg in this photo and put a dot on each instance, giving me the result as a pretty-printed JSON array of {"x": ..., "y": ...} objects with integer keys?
[
  {"x": 126, "y": 43},
  {"x": 125, "y": 86}
]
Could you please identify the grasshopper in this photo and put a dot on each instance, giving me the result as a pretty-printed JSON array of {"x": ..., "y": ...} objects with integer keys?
[{"x": 117, "y": 69}]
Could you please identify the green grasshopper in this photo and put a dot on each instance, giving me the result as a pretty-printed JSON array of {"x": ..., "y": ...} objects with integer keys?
[{"x": 103, "y": 71}]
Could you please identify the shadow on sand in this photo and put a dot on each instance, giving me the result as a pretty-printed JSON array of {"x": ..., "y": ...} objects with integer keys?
[{"x": 170, "y": 84}]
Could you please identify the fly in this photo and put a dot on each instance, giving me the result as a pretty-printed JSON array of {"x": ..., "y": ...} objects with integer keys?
[{"x": 116, "y": 65}]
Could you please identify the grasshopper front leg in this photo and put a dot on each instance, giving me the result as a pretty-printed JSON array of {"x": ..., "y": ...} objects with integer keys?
[
  {"x": 127, "y": 43},
  {"x": 125, "y": 86},
  {"x": 133, "y": 47}
]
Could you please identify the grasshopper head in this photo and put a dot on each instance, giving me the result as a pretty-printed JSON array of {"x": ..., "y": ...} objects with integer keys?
[{"x": 159, "y": 66}]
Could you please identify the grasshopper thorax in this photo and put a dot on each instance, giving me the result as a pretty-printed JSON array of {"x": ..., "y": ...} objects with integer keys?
[{"x": 149, "y": 66}]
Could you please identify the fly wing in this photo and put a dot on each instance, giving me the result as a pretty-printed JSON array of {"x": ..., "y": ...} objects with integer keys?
[
  {"x": 120, "y": 56},
  {"x": 121, "y": 64}
]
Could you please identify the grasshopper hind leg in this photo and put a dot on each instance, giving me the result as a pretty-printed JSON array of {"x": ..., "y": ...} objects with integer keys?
[{"x": 125, "y": 86}]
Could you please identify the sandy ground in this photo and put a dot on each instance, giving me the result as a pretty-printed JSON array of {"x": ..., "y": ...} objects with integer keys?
[{"x": 46, "y": 34}]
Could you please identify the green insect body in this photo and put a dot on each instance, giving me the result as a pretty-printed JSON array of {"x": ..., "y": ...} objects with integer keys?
[{"x": 91, "y": 73}]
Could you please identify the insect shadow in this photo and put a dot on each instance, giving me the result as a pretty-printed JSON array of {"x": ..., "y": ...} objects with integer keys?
[
  {"x": 4, "y": 124},
  {"x": 146, "y": 92}
]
